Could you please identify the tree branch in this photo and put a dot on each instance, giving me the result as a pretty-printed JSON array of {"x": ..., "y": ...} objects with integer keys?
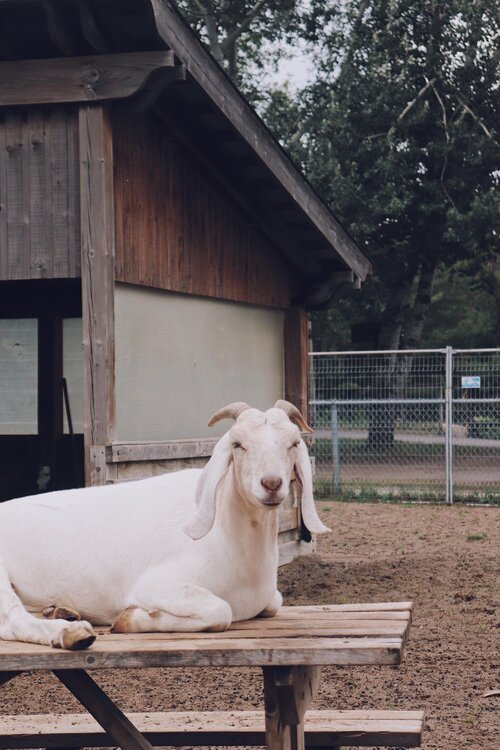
[
  {"x": 447, "y": 136},
  {"x": 410, "y": 106},
  {"x": 243, "y": 26},
  {"x": 476, "y": 118},
  {"x": 211, "y": 27}
]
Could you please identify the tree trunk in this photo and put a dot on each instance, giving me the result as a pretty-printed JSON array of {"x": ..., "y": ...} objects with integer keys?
[{"x": 382, "y": 417}]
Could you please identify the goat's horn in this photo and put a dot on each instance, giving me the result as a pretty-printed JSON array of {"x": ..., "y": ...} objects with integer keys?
[
  {"x": 294, "y": 414},
  {"x": 231, "y": 411}
]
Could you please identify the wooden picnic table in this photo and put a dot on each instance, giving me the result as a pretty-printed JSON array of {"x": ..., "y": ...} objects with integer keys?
[{"x": 290, "y": 648}]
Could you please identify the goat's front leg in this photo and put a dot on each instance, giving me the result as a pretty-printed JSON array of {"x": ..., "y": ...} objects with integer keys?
[
  {"x": 186, "y": 608},
  {"x": 273, "y": 607},
  {"x": 16, "y": 624}
]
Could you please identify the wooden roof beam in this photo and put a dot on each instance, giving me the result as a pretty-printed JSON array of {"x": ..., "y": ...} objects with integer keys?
[
  {"x": 90, "y": 28},
  {"x": 218, "y": 87},
  {"x": 79, "y": 79},
  {"x": 58, "y": 28}
]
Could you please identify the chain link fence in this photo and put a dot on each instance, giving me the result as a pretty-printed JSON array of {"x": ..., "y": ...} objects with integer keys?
[{"x": 421, "y": 424}]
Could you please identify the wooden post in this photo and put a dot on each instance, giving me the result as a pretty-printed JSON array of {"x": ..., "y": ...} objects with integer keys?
[
  {"x": 288, "y": 692},
  {"x": 98, "y": 254},
  {"x": 297, "y": 359},
  {"x": 105, "y": 712},
  {"x": 50, "y": 414}
]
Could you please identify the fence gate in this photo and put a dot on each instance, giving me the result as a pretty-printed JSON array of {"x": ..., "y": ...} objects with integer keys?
[{"x": 413, "y": 423}]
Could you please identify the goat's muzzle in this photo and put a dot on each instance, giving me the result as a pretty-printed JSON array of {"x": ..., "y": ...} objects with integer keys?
[{"x": 271, "y": 483}]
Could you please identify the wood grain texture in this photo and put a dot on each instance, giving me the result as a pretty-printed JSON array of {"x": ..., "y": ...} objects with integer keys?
[
  {"x": 39, "y": 194},
  {"x": 97, "y": 240},
  {"x": 178, "y": 230},
  {"x": 79, "y": 79},
  {"x": 288, "y": 692},
  {"x": 296, "y": 350},
  {"x": 224, "y": 728},
  {"x": 296, "y": 636},
  {"x": 121, "y": 452}
]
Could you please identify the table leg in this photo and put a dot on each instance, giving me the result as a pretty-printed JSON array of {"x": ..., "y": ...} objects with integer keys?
[
  {"x": 288, "y": 692},
  {"x": 105, "y": 712},
  {"x": 6, "y": 676}
]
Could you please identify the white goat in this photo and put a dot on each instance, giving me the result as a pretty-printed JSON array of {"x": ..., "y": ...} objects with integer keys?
[{"x": 187, "y": 551}]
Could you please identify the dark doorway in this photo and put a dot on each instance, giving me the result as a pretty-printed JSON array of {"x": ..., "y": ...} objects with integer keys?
[{"x": 40, "y": 354}]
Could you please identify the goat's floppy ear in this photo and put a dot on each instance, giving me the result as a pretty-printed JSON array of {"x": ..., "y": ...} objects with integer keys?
[
  {"x": 206, "y": 490},
  {"x": 293, "y": 414},
  {"x": 304, "y": 472}
]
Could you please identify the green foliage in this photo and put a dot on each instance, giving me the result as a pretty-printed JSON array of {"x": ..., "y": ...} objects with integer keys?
[
  {"x": 399, "y": 133},
  {"x": 463, "y": 314},
  {"x": 245, "y": 36}
]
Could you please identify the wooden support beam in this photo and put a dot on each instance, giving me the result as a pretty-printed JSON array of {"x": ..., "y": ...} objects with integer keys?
[
  {"x": 7, "y": 676},
  {"x": 288, "y": 692},
  {"x": 79, "y": 79},
  {"x": 90, "y": 28},
  {"x": 168, "y": 450},
  {"x": 105, "y": 712},
  {"x": 58, "y": 28},
  {"x": 296, "y": 349},
  {"x": 98, "y": 254},
  {"x": 50, "y": 411},
  {"x": 153, "y": 89}
]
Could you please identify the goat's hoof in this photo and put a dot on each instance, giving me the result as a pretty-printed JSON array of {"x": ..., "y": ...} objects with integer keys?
[
  {"x": 77, "y": 636},
  {"x": 61, "y": 613}
]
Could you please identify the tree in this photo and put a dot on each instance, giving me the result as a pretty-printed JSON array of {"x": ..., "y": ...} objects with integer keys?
[
  {"x": 400, "y": 134},
  {"x": 244, "y": 35}
]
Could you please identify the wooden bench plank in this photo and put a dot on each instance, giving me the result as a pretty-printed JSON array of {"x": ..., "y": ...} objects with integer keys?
[
  {"x": 348, "y": 629},
  {"x": 310, "y": 617},
  {"x": 131, "y": 651},
  {"x": 360, "y": 607},
  {"x": 322, "y": 728}
]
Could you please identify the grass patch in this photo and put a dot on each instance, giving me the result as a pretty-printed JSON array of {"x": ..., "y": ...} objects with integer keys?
[{"x": 476, "y": 537}]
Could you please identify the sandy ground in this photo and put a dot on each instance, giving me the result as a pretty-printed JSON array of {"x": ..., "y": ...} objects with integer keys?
[{"x": 445, "y": 559}]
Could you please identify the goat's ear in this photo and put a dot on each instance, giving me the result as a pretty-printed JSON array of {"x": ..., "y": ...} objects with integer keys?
[
  {"x": 206, "y": 490},
  {"x": 304, "y": 473}
]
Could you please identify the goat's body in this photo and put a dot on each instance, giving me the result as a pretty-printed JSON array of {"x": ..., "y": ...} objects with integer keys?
[
  {"x": 188, "y": 551},
  {"x": 89, "y": 550}
]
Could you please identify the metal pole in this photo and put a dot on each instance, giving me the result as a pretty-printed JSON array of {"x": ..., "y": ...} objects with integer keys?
[
  {"x": 335, "y": 448},
  {"x": 448, "y": 396}
]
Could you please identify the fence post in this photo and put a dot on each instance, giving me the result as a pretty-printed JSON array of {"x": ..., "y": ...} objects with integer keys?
[
  {"x": 335, "y": 448},
  {"x": 448, "y": 439}
]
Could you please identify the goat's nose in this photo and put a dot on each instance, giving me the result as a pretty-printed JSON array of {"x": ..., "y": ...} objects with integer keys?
[{"x": 271, "y": 482}]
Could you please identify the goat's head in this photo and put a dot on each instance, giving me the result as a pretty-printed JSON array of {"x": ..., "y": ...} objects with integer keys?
[{"x": 264, "y": 449}]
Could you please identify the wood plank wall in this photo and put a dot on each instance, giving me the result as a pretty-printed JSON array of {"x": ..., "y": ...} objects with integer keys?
[
  {"x": 177, "y": 229},
  {"x": 39, "y": 193}
]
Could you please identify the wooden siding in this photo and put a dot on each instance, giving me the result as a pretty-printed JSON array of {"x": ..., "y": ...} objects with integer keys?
[
  {"x": 177, "y": 229},
  {"x": 39, "y": 193}
]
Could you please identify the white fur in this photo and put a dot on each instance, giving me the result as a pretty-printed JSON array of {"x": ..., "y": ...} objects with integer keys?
[{"x": 175, "y": 558}]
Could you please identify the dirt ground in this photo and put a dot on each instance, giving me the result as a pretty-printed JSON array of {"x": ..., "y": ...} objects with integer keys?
[{"x": 445, "y": 559}]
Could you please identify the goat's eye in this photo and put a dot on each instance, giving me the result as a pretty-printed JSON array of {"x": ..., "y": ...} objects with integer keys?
[
  {"x": 238, "y": 445},
  {"x": 296, "y": 444}
]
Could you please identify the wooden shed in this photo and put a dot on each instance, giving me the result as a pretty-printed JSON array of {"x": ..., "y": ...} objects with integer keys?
[{"x": 158, "y": 249}]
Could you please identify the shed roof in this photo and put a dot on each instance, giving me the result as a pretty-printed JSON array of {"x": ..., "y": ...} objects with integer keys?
[{"x": 208, "y": 109}]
